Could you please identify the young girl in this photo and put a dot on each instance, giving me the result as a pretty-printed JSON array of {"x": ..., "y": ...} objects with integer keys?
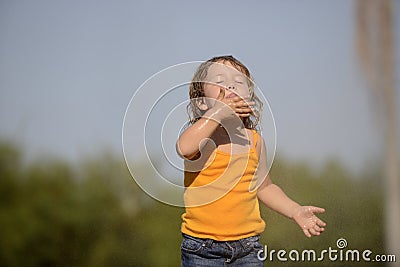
[{"x": 226, "y": 171}]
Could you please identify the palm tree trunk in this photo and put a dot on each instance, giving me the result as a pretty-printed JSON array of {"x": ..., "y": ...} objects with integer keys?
[
  {"x": 375, "y": 47},
  {"x": 391, "y": 159}
]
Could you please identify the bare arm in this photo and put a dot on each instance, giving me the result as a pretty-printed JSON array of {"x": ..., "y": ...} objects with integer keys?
[
  {"x": 190, "y": 141},
  {"x": 274, "y": 198}
]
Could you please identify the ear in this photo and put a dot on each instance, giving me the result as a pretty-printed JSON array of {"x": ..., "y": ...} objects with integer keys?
[{"x": 201, "y": 103}]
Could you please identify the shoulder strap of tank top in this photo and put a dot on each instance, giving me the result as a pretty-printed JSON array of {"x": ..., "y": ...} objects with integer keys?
[{"x": 255, "y": 138}]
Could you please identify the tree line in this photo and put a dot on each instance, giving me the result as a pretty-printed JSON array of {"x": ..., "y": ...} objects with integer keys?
[{"x": 54, "y": 213}]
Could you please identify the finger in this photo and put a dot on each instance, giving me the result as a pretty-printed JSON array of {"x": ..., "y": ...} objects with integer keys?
[
  {"x": 317, "y": 209},
  {"x": 305, "y": 231},
  {"x": 313, "y": 232},
  {"x": 246, "y": 114},
  {"x": 246, "y": 104},
  {"x": 243, "y": 110},
  {"x": 246, "y": 98},
  {"x": 320, "y": 223},
  {"x": 317, "y": 228},
  {"x": 252, "y": 110},
  {"x": 243, "y": 115},
  {"x": 243, "y": 104},
  {"x": 238, "y": 98}
]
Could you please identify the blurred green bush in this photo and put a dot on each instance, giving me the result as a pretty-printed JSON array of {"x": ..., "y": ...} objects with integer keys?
[{"x": 94, "y": 214}]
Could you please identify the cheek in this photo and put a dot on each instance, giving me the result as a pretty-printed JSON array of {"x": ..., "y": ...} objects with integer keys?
[
  {"x": 243, "y": 90},
  {"x": 211, "y": 91}
]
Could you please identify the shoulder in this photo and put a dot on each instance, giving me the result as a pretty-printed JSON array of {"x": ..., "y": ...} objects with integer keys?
[
  {"x": 258, "y": 142},
  {"x": 255, "y": 136}
]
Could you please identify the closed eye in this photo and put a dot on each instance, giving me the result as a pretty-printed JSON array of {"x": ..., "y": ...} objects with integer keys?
[{"x": 219, "y": 82}]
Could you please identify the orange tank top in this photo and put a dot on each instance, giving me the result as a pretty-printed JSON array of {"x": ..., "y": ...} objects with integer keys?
[{"x": 220, "y": 202}]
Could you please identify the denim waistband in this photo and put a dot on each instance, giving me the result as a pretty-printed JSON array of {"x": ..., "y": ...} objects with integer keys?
[{"x": 208, "y": 241}]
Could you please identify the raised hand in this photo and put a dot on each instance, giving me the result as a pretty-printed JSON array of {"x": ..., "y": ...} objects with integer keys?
[
  {"x": 226, "y": 108},
  {"x": 310, "y": 224}
]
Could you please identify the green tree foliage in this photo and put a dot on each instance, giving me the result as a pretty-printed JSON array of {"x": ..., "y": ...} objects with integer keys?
[
  {"x": 353, "y": 210},
  {"x": 94, "y": 214}
]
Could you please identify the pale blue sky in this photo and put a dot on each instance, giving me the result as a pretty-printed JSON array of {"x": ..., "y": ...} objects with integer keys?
[{"x": 69, "y": 68}]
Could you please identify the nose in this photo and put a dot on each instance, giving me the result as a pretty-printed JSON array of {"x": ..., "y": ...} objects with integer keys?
[{"x": 231, "y": 87}]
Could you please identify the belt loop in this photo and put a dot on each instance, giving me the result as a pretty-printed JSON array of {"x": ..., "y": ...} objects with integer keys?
[
  {"x": 208, "y": 242},
  {"x": 228, "y": 260},
  {"x": 246, "y": 242}
]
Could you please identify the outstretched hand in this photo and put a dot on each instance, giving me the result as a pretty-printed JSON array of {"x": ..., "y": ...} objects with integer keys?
[{"x": 308, "y": 222}]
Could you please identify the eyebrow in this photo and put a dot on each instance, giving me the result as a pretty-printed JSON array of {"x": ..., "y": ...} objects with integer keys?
[{"x": 222, "y": 74}]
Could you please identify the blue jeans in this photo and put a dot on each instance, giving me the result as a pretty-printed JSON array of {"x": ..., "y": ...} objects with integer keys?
[{"x": 197, "y": 252}]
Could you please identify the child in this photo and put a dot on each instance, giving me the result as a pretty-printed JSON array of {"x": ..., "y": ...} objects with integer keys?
[{"x": 226, "y": 171}]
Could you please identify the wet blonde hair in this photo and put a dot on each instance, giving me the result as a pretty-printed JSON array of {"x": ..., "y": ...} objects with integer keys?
[{"x": 196, "y": 90}]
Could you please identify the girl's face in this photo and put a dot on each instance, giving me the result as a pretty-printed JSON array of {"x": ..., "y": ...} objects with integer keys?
[{"x": 223, "y": 75}]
